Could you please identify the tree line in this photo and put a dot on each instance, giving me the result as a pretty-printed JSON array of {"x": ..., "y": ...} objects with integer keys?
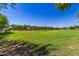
[{"x": 29, "y": 27}]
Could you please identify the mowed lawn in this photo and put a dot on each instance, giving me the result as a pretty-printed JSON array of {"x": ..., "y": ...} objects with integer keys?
[{"x": 63, "y": 42}]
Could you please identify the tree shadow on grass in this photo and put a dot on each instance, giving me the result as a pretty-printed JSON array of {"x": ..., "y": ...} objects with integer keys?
[
  {"x": 14, "y": 48},
  {"x": 3, "y": 35}
]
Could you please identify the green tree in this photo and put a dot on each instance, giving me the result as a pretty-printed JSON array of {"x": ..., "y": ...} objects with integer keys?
[
  {"x": 3, "y": 18},
  {"x": 3, "y": 21}
]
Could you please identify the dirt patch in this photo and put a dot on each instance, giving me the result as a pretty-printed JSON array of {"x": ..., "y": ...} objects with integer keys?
[{"x": 74, "y": 47}]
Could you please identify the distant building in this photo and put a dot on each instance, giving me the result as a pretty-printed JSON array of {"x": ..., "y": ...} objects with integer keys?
[{"x": 28, "y": 28}]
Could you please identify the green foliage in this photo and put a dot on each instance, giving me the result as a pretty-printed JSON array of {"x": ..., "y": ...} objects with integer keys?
[
  {"x": 63, "y": 6},
  {"x": 3, "y": 21}
]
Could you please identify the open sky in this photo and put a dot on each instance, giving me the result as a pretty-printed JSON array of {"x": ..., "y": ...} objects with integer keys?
[{"x": 42, "y": 14}]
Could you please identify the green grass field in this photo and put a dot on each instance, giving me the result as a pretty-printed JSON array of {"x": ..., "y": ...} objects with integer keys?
[{"x": 63, "y": 42}]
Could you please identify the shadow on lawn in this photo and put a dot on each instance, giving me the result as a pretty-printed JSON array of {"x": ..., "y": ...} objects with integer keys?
[
  {"x": 21, "y": 48},
  {"x": 3, "y": 34},
  {"x": 14, "y": 48}
]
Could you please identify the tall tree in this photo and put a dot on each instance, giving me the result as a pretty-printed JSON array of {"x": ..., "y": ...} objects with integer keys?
[{"x": 3, "y": 18}]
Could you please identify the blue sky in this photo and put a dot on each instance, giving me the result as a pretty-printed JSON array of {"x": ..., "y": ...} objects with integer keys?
[{"x": 42, "y": 14}]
